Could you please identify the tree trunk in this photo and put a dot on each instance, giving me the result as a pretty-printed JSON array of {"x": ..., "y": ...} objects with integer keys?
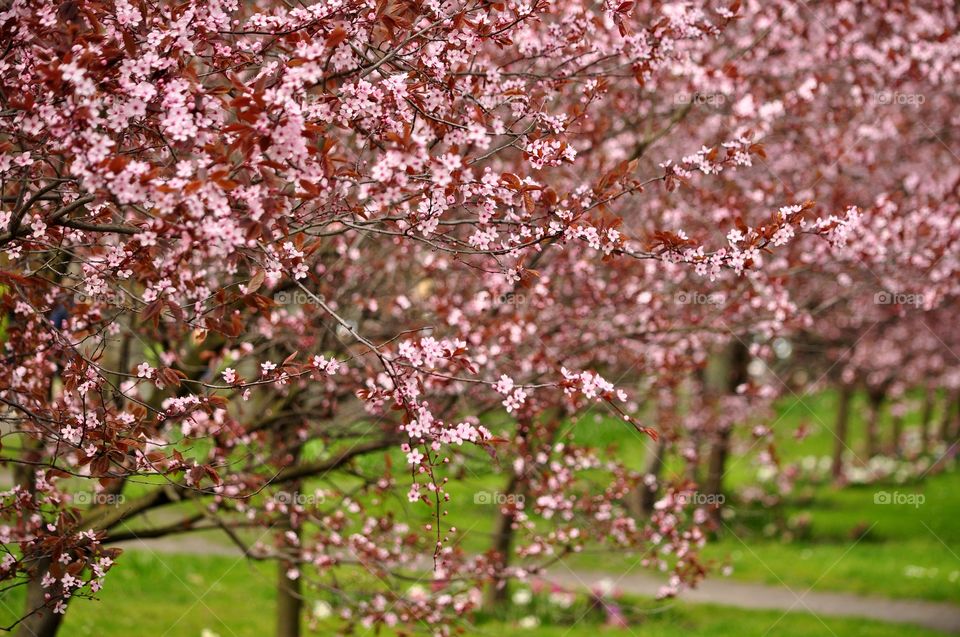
[
  {"x": 289, "y": 602},
  {"x": 926, "y": 420},
  {"x": 40, "y": 619},
  {"x": 716, "y": 464},
  {"x": 840, "y": 431},
  {"x": 701, "y": 385},
  {"x": 648, "y": 496},
  {"x": 949, "y": 408},
  {"x": 875, "y": 411},
  {"x": 692, "y": 467},
  {"x": 496, "y": 593},
  {"x": 720, "y": 450},
  {"x": 43, "y": 622},
  {"x": 517, "y": 489},
  {"x": 954, "y": 433},
  {"x": 641, "y": 500},
  {"x": 949, "y": 433},
  {"x": 289, "y": 591},
  {"x": 895, "y": 435}
]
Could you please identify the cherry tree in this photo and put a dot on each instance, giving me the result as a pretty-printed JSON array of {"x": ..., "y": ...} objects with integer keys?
[{"x": 288, "y": 271}]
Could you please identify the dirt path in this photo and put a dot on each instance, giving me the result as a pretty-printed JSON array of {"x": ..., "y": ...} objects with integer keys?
[{"x": 936, "y": 615}]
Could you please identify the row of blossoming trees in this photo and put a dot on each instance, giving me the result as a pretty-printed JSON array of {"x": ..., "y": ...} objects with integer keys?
[{"x": 251, "y": 247}]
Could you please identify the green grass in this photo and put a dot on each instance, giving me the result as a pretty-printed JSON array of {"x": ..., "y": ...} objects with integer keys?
[
  {"x": 903, "y": 551},
  {"x": 907, "y": 552},
  {"x": 179, "y": 595},
  {"x": 173, "y": 595}
]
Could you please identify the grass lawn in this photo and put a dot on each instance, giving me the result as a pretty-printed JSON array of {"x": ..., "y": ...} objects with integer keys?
[
  {"x": 849, "y": 542},
  {"x": 177, "y": 595},
  {"x": 905, "y": 551}
]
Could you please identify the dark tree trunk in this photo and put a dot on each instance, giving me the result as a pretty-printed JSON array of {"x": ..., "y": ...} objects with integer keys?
[
  {"x": 926, "y": 419},
  {"x": 707, "y": 392},
  {"x": 954, "y": 434},
  {"x": 496, "y": 593},
  {"x": 840, "y": 431},
  {"x": 720, "y": 449},
  {"x": 648, "y": 495},
  {"x": 516, "y": 490},
  {"x": 692, "y": 468},
  {"x": 289, "y": 600},
  {"x": 875, "y": 412},
  {"x": 289, "y": 591},
  {"x": 949, "y": 410},
  {"x": 716, "y": 465},
  {"x": 42, "y": 622},
  {"x": 641, "y": 500},
  {"x": 949, "y": 433},
  {"x": 896, "y": 434}
]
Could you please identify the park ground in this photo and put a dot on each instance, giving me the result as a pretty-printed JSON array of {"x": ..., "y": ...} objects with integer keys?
[{"x": 861, "y": 539}]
